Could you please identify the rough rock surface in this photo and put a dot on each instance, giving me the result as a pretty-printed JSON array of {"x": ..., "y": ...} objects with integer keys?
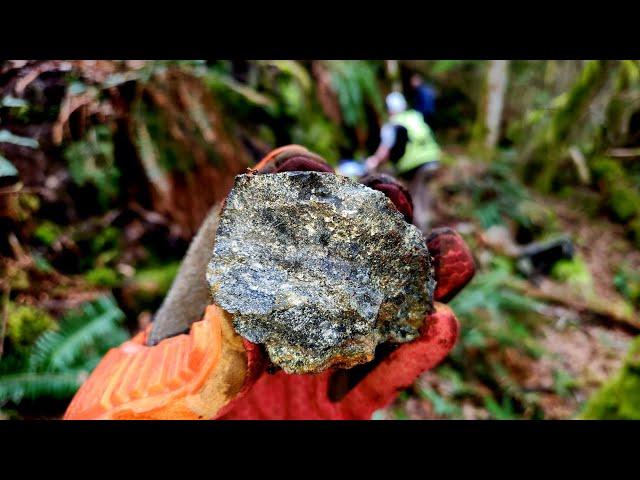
[{"x": 318, "y": 268}]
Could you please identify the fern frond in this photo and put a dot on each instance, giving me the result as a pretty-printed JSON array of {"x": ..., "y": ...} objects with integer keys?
[
  {"x": 16, "y": 386},
  {"x": 355, "y": 84},
  {"x": 79, "y": 330},
  {"x": 61, "y": 360}
]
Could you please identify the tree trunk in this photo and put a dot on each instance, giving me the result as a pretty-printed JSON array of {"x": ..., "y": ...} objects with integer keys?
[
  {"x": 486, "y": 131},
  {"x": 542, "y": 157},
  {"x": 497, "y": 86}
]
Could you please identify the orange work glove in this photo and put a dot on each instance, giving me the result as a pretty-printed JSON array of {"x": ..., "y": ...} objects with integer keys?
[{"x": 212, "y": 372}]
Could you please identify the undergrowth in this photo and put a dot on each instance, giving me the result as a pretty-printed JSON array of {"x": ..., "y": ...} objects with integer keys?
[{"x": 61, "y": 358}]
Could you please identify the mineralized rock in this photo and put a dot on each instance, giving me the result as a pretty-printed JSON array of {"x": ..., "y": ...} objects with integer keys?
[{"x": 318, "y": 268}]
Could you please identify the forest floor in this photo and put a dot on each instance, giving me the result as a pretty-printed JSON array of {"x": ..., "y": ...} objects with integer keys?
[{"x": 581, "y": 333}]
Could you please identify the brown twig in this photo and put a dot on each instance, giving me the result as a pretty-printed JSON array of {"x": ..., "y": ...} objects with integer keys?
[
  {"x": 20, "y": 188},
  {"x": 17, "y": 249},
  {"x": 556, "y": 294}
]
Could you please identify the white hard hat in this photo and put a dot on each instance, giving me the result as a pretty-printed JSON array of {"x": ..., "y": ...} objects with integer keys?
[{"x": 396, "y": 102}]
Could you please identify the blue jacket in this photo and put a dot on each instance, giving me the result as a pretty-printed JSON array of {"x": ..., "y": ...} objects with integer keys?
[{"x": 425, "y": 100}]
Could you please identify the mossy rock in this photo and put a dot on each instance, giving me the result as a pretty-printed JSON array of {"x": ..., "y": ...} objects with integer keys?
[
  {"x": 619, "y": 398},
  {"x": 25, "y": 324}
]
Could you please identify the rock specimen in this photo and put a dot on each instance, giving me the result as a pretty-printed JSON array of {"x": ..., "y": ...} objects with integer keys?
[{"x": 318, "y": 268}]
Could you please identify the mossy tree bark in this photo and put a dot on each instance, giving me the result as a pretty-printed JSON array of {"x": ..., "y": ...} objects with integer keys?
[
  {"x": 542, "y": 157},
  {"x": 486, "y": 131}
]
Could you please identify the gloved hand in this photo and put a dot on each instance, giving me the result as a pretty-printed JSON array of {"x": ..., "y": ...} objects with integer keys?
[
  {"x": 328, "y": 396},
  {"x": 212, "y": 372}
]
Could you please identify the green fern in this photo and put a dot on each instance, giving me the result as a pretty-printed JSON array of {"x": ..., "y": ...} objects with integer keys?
[
  {"x": 61, "y": 359},
  {"x": 33, "y": 385},
  {"x": 497, "y": 195},
  {"x": 91, "y": 161},
  {"x": 493, "y": 316},
  {"x": 79, "y": 331},
  {"x": 355, "y": 83}
]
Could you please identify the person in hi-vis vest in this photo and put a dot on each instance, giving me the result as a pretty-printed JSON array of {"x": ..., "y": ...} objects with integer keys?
[{"x": 407, "y": 142}]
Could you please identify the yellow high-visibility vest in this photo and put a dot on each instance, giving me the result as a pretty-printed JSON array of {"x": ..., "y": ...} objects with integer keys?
[{"x": 421, "y": 145}]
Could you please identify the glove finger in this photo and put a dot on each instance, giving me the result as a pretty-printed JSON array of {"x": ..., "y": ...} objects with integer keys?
[
  {"x": 394, "y": 190},
  {"x": 292, "y": 158},
  {"x": 183, "y": 377},
  {"x": 452, "y": 261},
  {"x": 402, "y": 366}
]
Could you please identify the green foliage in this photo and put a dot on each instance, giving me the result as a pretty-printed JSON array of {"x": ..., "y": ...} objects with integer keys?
[
  {"x": 623, "y": 105},
  {"x": 91, "y": 162},
  {"x": 17, "y": 278},
  {"x": 355, "y": 83},
  {"x": 23, "y": 206},
  {"x": 179, "y": 126},
  {"x": 61, "y": 359},
  {"x": 627, "y": 282},
  {"x": 105, "y": 248},
  {"x": 621, "y": 194},
  {"x": 563, "y": 382},
  {"x": 574, "y": 272},
  {"x": 624, "y": 202},
  {"x": 158, "y": 278},
  {"x": 456, "y": 385},
  {"x": 106, "y": 239},
  {"x": 25, "y": 324},
  {"x": 241, "y": 98},
  {"x": 575, "y": 101},
  {"x": 498, "y": 195},
  {"x": 442, "y": 66},
  {"x": 280, "y": 103},
  {"x": 41, "y": 263},
  {"x": 298, "y": 105},
  {"x": 282, "y": 94},
  {"x": 489, "y": 309},
  {"x": 619, "y": 398},
  {"x": 103, "y": 277},
  {"x": 501, "y": 411},
  {"x": 622, "y": 198},
  {"x": 320, "y": 136},
  {"x": 47, "y": 232},
  {"x": 493, "y": 317},
  {"x": 149, "y": 285},
  {"x": 82, "y": 333},
  {"x": 16, "y": 386},
  {"x": 441, "y": 406},
  {"x": 559, "y": 125}
]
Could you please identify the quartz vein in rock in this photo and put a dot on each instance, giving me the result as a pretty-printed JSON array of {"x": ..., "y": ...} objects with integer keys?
[{"x": 318, "y": 268}]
